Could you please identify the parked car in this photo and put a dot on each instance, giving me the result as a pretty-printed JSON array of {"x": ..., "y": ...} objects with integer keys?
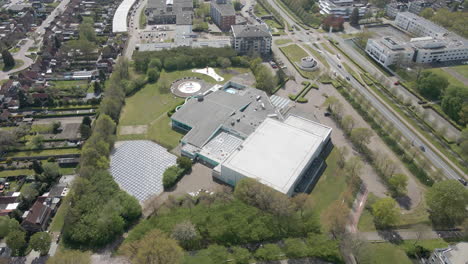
[
  {"x": 422, "y": 148},
  {"x": 347, "y": 78},
  {"x": 326, "y": 114},
  {"x": 462, "y": 181},
  {"x": 397, "y": 83}
]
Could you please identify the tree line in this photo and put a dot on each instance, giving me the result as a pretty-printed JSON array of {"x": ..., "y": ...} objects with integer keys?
[
  {"x": 99, "y": 210},
  {"x": 221, "y": 225}
]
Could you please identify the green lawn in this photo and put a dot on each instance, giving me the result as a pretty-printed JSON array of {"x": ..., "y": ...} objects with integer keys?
[
  {"x": 383, "y": 253},
  {"x": 328, "y": 48},
  {"x": 282, "y": 41},
  {"x": 418, "y": 216},
  {"x": 318, "y": 56},
  {"x": 430, "y": 244},
  {"x": 273, "y": 24},
  {"x": 330, "y": 185},
  {"x": 8, "y": 173},
  {"x": 452, "y": 80},
  {"x": 59, "y": 218},
  {"x": 260, "y": 11},
  {"x": 142, "y": 22},
  {"x": 32, "y": 153},
  {"x": 462, "y": 69},
  {"x": 295, "y": 53},
  {"x": 161, "y": 132}
]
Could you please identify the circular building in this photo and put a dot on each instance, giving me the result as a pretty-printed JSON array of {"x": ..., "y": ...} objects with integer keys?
[
  {"x": 308, "y": 64},
  {"x": 187, "y": 87}
]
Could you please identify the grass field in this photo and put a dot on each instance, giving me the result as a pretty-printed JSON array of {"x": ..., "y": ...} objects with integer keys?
[
  {"x": 329, "y": 187},
  {"x": 452, "y": 80},
  {"x": 142, "y": 22},
  {"x": 295, "y": 53},
  {"x": 46, "y": 152},
  {"x": 8, "y": 173},
  {"x": 418, "y": 216},
  {"x": 462, "y": 69},
  {"x": 59, "y": 218},
  {"x": 430, "y": 244},
  {"x": 161, "y": 131},
  {"x": 328, "y": 48},
  {"x": 282, "y": 41},
  {"x": 383, "y": 253},
  {"x": 318, "y": 56}
]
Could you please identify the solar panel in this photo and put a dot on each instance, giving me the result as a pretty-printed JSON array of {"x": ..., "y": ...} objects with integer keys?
[{"x": 138, "y": 166}]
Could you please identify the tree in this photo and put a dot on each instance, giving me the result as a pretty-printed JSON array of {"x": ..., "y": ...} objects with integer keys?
[
  {"x": 37, "y": 142},
  {"x": 237, "y": 5},
  {"x": 361, "y": 136},
  {"x": 154, "y": 248},
  {"x": 37, "y": 166},
  {"x": 342, "y": 153},
  {"x": 431, "y": 85},
  {"x": 385, "y": 212},
  {"x": 7, "y": 225},
  {"x": 398, "y": 183},
  {"x": 184, "y": 233},
  {"x": 268, "y": 252},
  {"x": 153, "y": 75},
  {"x": 56, "y": 126},
  {"x": 155, "y": 63},
  {"x": 224, "y": 62},
  {"x": 447, "y": 201},
  {"x": 51, "y": 173},
  {"x": 240, "y": 255},
  {"x": 294, "y": 248},
  {"x": 8, "y": 60},
  {"x": 7, "y": 140},
  {"x": 16, "y": 240},
  {"x": 164, "y": 86},
  {"x": 217, "y": 253},
  {"x": 332, "y": 21},
  {"x": 184, "y": 163},
  {"x": 336, "y": 217},
  {"x": 348, "y": 123},
  {"x": 427, "y": 13},
  {"x": 380, "y": 3},
  {"x": 40, "y": 242},
  {"x": 70, "y": 257},
  {"x": 354, "y": 17},
  {"x": 453, "y": 100},
  {"x": 171, "y": 175},
  {"x": 97, "y": 88},
  {"x": 300, "y": 202}
]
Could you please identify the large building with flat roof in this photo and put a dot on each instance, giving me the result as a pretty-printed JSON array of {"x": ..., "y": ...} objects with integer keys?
[
  {"x": 239, "y": 132},
  {"x": 251, "y": 38},
  {"x": 277, "y": 154},
  {"x": 223, "y": 14},
  {"x": 431, "y": 43},
  {"x": 178, "y": 12}
]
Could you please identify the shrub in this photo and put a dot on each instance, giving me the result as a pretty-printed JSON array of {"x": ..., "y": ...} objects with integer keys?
[
  {"x": 184, "y": 163},
  {"x": 171, "y": 176},
  {"x": 302, "y": 100}
]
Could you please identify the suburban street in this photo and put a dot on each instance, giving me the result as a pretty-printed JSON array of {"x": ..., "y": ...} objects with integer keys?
[
  {"x": 21, "y": 54},
  {"x": 134, "y": 29},
  {"x": 436, "y": 158}
]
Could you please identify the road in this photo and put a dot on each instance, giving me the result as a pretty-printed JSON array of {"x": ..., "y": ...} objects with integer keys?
[
  {"x": 437, "y": 159},
  {"x": 39, "y": 32},
  {"x": 134, "y": 28}
]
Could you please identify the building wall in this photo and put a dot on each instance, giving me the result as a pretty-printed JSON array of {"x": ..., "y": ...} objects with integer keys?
[
  {"x": 386, "y": 56},
  {"x": 441, "y": 55},
  {"x": 416, "y": 28},
  {"x": 261, "y": 45}
]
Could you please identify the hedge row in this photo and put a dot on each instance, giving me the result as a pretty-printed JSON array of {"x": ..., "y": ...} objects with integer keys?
[
  {"x": 63, "y": 115},
  {"x": 294, "y": 97}
]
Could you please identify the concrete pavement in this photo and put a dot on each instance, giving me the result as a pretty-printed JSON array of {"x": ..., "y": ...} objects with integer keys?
[{"x": 133, "y": 31}]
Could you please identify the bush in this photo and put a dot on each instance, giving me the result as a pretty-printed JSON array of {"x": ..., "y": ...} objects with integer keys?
[
  {"x": 184, "y": 163},
  {"x": 171, "y": 176},
  {"x": 302, "y": 100}
]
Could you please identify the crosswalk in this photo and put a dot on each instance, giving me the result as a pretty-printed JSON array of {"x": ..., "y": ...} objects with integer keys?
[{"x": 279, "y": 102}]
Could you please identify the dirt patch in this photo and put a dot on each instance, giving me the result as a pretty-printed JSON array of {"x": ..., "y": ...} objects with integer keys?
[{"x": 133, "y": 130}]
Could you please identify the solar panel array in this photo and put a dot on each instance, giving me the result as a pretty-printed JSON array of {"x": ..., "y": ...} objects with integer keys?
[{"x": 138, "y": 167}]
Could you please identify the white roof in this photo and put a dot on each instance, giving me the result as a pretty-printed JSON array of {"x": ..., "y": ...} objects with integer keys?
[
  {"x": 12, "y": 206},
  {"x": 15, "y": 194},
  {"x": 276, "y": 153},
  {"x": 119, "y": 23}
]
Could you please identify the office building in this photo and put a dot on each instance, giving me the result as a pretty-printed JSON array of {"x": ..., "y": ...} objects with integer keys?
[
  {"x": 178, "y": 12},
  {"x": 342, "y": 8}
]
